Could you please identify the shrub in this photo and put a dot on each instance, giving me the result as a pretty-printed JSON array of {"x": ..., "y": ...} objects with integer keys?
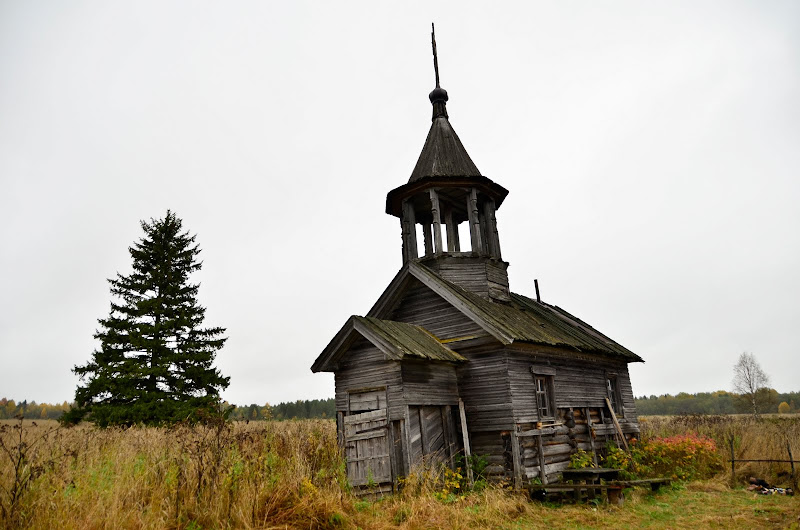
[
  {"x": 581, "y": 459},
  {"x": 683, "y": 457}
]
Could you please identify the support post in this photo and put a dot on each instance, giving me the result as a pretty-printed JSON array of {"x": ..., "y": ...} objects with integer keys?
[
  {"x": 437, "y": 222},
  {"x": 465, "y": 435},
  {"x": 409, "y": 228},
  {"x": 426, "y": 233},
  {"x": 616, "y": 424},
  {"x": 516, "y": 460},
  {"x": 474, "y": 222},
  {"x": 542, "y": 473},
  {"x": 340, "y": 429},
  {"x": 484, "y": 234},
  {"x": 791, "y": 463},
  {"x": 447, "y": 417},
  {"x": 733, "y": 463},
  {"x": 407, "y": 428},
  {"x": 589, "y": 433},
  {"x": 452, "y": 230},
  {"x": 491, "y": 229}
]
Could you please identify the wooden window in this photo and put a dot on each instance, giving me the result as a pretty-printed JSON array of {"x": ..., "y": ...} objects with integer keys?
[
  {"x": 544, "y": 391},
  {"x": 543, "y": 400},
  {"x": 366, "y": 400},
  {"x": 612, "y": 390}
]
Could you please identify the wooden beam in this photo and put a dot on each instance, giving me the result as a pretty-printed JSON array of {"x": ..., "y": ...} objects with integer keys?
[
  {"x": 474, "y": 221},
  {"x": 589, "y": 433},
  {"x": 516, "y": 460},
  {"x": 616, "y": 424},
  {"x": 465, "y": 435},
  {"x": 542, "y": 472},
  {"x": 407, "y": 429},
  {"x": 452, "y": 230},
  {"x": 484, "y": 235},
  {"x": 426, "y": 232},
  {"x": 423, "y": 435},
  {"x": 491, "y": 229},
  {"x": 437, "y": 222},
  {"x": 340, "y": 429},
  {"x": 447, "y": 417},
  {"x": 409, "y": 228}
]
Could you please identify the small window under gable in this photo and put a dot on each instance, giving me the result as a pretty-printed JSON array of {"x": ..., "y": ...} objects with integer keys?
[
  {"x": 365, "y": 400},
  {"x": 544, "y": 390},
  {"x": 612, "y": 391}
]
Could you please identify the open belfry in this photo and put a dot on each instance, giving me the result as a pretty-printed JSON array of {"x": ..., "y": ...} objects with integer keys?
[{"x": 450, "y": 362}]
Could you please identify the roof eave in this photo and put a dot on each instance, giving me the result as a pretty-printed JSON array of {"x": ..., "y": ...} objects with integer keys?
[{"x": 394, "y": 199}]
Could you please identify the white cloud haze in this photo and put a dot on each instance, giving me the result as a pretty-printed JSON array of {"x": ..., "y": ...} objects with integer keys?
[{"x": 650, "y": 150}]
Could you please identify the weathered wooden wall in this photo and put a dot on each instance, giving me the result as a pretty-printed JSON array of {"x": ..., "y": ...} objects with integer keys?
[
  {"x": 423, "y": 307},
  {"x": 484, "y": 276},
  {"x": 579, "y": 382},
  {"x": 428, "y": 383},
  {"x": 366, "y": 367}
]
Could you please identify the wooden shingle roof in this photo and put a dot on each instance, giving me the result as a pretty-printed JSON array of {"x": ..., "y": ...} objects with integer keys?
[
  {"x": 397, "y": 341},
  {"x": 443, "y": 154},
  {"x": 522, "y": 320}
]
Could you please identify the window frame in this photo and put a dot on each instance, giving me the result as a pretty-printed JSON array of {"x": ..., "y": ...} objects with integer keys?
[
  {"x": 613, "y": 393},
  {"x": 546, "y": 376}
]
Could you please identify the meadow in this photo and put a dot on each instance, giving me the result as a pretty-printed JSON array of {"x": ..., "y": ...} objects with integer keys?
[{"x": 289, "y": 474}]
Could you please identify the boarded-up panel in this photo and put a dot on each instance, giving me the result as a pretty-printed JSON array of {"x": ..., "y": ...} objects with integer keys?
[
  {"x": 366, "y": 442},
  {"x": 366, "y": 401},
  {"x": 366, "y": 367}
]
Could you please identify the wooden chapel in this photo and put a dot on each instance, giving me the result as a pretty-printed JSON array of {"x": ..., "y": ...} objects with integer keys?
[{"x": 449, "y": 361}]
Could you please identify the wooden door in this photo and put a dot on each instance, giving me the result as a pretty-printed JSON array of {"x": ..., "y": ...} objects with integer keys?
[
  {"x": 430, "y": 434},
  {"x": 366, "y": 443}
]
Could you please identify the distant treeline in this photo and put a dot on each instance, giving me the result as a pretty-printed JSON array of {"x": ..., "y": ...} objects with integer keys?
[
  {"x": 10, "y": 409},
  {"x": 719, "y": 402},
  {"x": 300, "y": 409}
]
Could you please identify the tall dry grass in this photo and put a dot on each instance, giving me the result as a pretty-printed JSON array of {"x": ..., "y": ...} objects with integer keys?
[
  {"x": 268, "y": 474},
  {"x": 236, "y": 475}
]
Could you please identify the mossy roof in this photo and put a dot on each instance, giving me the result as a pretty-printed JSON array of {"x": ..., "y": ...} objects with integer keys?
[
  {"x": 397, "y": 341},
  {"x": 520, "y": 320}
]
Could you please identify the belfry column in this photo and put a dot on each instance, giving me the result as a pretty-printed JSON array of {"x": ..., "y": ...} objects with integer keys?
[
  {"x": 409, "y": 229},
  {"x": 437, "y": 223},
  {"x": 474, "y": 222}
]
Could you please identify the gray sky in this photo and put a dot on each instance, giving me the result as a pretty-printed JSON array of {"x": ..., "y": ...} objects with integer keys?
[{"x": 650, "y": 148}]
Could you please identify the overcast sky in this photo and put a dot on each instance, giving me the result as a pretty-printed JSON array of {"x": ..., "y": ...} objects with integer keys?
[{"x": 651, "y": 150}]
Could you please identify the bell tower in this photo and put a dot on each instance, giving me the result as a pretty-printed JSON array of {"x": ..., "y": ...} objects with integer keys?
[{"x": 445, "y": 190}]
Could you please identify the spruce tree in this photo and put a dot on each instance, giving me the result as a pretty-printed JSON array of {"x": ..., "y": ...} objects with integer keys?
[{"x": 154, "y": 362}]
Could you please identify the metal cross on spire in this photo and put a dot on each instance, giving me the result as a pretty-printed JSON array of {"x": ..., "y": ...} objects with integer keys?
[{"x": 435, "y": 57}]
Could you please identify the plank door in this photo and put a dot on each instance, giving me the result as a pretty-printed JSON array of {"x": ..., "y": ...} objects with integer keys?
[
  {"x": 366, "y": 442},
  {"x": 428, "y": 433}
]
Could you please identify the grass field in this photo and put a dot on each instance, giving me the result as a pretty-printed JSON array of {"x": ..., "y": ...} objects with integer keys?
[{"x": 290, "y": 474}]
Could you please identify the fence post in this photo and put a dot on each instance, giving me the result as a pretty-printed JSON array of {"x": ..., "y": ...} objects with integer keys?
[
  {"x": 791, "y": 463},
  {"x": 733, "y": 464}
]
